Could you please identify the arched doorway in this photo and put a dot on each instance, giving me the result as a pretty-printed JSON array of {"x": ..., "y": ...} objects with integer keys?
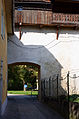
[{"x": 33, "y": 64}]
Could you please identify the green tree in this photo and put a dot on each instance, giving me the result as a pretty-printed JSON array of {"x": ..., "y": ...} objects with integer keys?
[{"x": 19, "y": 75}]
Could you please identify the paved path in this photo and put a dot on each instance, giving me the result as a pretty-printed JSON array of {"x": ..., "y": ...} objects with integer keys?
[{"x": 26, "y": 107}]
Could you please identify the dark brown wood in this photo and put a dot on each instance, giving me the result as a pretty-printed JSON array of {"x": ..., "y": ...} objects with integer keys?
[
  {"x": 65, "y": 7},
  {"x": 57, "y": 32},
  {"x": 66, "y": 18},
  {"x": 47, "y": 13},
  {"x": 19, "y": 33},
  {"x": 68, "y": 93},
  {"x": 47, "y": 18}
]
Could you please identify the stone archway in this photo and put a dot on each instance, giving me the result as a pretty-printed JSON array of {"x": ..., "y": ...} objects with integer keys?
[{"x": 38, "y": 66}]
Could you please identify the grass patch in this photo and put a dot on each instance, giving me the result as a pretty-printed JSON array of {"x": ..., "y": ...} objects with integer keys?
[
  {"x": 74, "y": 98},
  {"x": 23, "y": 92}
]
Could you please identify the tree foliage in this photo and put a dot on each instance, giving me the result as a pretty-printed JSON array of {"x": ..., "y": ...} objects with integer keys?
[{"x": 19, "y": 75}]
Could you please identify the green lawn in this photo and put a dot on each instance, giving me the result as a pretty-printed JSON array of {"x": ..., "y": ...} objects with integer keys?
[{"x": 23, "y": 92}]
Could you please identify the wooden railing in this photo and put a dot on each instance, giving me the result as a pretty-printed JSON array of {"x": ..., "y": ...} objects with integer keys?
[
  {"x": 45, "y": 17},
  {"x": 66, "y": 18},
  {"x": 33, "y": 17}
]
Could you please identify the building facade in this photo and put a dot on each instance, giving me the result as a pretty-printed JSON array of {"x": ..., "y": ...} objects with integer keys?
[
  {"x": 46, "y": 34},
  {"x": 3, "y": 55}
]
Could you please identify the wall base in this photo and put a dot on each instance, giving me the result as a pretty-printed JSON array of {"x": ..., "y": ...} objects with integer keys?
[{"x": 3, "y": 107}]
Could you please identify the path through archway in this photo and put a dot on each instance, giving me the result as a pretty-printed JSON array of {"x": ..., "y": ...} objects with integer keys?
[{"x": 30, "y": 64}]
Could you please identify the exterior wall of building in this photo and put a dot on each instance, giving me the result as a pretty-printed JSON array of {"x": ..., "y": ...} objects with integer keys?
[
  {"x": 3, "y": 58},
  {"x": 9, "y": 15},
  {"x": 39, "y": 46}
]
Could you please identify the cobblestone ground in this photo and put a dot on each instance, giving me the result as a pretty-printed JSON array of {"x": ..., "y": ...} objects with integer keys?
[{"x": 27, "y": 107}]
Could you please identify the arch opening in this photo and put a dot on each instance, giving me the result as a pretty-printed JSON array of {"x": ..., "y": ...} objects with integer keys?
[{"x": 31, "y": 74}]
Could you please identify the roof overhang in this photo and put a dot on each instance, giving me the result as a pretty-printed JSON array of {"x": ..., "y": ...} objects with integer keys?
[{"x": 73, "y": 1}]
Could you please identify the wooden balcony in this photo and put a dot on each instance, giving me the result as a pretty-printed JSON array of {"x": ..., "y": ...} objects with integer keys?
[
  {"x": 37, "y": 17},
  {"x": 65, "y": 18}
]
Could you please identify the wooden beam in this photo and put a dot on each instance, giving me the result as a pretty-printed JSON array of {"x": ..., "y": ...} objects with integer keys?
[
  {"x": 57, "y": 32},
  {"x": 54, "y": 24},
  {"x": 20, "y": 33}
]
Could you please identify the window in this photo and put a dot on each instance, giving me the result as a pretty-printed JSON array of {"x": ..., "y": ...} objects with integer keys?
[
  {"x": 1, "y": 66},
  {"x": 2, "y": 24}
]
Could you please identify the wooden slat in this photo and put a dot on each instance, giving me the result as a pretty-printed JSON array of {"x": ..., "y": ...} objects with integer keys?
[{"x": 33, "y": 16}]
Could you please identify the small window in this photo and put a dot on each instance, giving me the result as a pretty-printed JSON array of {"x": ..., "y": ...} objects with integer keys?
[
  {"x": 1, "y": 68},
  {"x": 2, "y": 24}
]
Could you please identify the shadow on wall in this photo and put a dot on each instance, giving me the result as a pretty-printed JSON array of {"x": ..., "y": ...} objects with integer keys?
[{"x": 38, "y": 54}]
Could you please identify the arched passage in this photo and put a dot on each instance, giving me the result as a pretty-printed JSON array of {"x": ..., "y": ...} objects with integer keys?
[{"x": 33, "y": 64}]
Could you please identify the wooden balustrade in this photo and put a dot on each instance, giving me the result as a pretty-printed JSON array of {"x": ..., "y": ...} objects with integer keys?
[
  {"x": 45, "y": 17},
  {"x": 65, "y": 18}
]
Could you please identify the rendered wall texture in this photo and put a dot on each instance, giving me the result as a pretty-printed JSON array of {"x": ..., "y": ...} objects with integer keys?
[
  {"x": 39, "y": 45},
  {"x": 9, "y": 15},
  {"x": 3, "y": 52}
]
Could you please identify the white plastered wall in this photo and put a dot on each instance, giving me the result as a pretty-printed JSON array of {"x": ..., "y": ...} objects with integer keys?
[{"x": 41, "y": 47}]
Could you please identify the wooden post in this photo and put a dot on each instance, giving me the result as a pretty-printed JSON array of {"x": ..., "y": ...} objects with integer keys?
[
  {"x": 20, "y": 33},
  {"x": 68, "y": 91},
  {"x": 57, "y": 32},
  {"x": 20, "y": 23},
  {"x": 44, "y": 88},
  {"x": 49, "y": 86},
  {"x": 57, "y": 86},
  {"x": 31, "y": 92}
]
